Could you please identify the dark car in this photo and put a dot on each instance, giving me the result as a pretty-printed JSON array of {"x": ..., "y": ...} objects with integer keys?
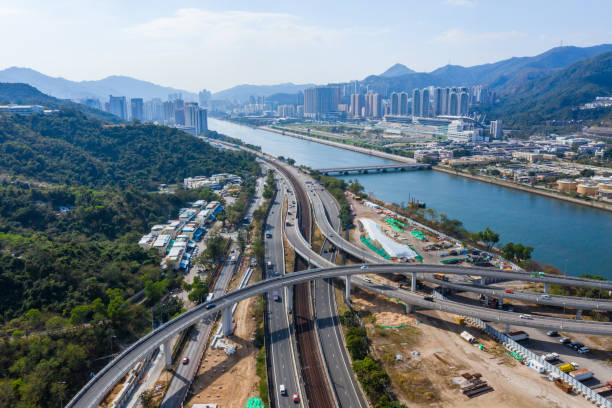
[
  {"x": 210, "y": 305},
  {"x": 552, "y": 333},
  {"x": 428, "y": 298}
]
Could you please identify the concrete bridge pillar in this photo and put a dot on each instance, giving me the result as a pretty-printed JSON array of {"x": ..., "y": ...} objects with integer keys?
[
  {"x": 545, "y": 287},
  {"x": 483, "y": 280},
  {"x": 500, "y": 304},
  {"x": 578, "y": 314},
  {"x": 166, "y": 349},
  {"x": 347, "y": 289},
  {"x": 409, "y": 308},
  {"x": 289, "y": 300},
  {"x": 413, "y": 281},
  {"x": 507, "y": 329},
  {"x": 227, "y": 322}
]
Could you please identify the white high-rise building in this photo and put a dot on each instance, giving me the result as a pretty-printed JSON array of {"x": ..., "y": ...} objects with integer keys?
[{"x": 496, "y": 130}]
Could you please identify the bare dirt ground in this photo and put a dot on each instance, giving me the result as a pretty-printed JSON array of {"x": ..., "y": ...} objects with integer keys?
[
  {"x": 429, "y": 257},
  {"x": 230, "y": 381},
  {"x": 424, "y": 380}
]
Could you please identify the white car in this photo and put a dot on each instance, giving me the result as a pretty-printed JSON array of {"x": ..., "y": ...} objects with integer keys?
[
  {"x": 545, "y": 296},
  {"x": 526, "y": 316},
  {"x": 364, "y": 266}
]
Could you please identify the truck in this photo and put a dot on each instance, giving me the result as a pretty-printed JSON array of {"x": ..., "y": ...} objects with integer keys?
[
  {"x": 468, "y": 337},
  {"x": 581, "y": 374},
  {"x": 440, "y": 276},
  {"x": 563, "y": 385},
  {"x": 551, "y": 357},
  {"x": 232, "y": 260},
  {"x": 518, "y": 335},
  {"x": 566, "y": 368}
]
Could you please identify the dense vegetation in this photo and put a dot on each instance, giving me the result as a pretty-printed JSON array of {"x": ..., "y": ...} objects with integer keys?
[
  {"x": 24, "y": 94},
  {"x": 69, "y": 148},
  {"x": 75, "y": 196},
  {"x": 370, "y": 372},
  {"x": 557, "y": 96}
]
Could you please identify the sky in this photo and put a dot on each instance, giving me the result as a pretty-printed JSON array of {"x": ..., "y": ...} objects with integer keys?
[{"x": 198, "y": 44}]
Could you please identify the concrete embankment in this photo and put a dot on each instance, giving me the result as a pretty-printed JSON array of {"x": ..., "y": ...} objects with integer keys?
[
  {"x": 364, "y": 150},
  {"x": 550, "y": 194},
  {"x": 373, "y": 152}
]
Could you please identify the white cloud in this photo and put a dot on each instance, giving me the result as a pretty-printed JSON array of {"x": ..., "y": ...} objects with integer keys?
[
  {"x": 460, "y": 3},
  {"x": 10, "y": 11},
  {"x": 240, "y": 29},
  {"x": 459, "y": 36}
]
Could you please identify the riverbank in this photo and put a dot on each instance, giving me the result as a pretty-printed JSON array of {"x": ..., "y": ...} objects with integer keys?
[
  {"x": 363, "y": 150},
  {"x": 390, "y": 156},
  {"x": 528, "y": 189}
]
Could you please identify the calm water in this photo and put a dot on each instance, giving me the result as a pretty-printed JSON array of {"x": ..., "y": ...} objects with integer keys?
[{"x": 574, "y": 238}]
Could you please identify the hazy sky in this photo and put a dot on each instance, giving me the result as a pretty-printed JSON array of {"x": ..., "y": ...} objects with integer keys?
[{"x": 216, "y": 45}]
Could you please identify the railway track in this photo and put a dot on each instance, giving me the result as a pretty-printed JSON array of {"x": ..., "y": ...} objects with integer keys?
[{"x": 313, "y": 369}]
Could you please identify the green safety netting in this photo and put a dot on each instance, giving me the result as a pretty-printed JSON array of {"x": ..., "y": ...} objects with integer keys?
[
  {"x": 418, "y": 256},
  {"x": 395, "y": 224},
  {"x": 418, "y": 235},
  {"x": 513, "y": 354},
  {"x": 376, "y": 247},
  {"x": 254, "y": 403}
]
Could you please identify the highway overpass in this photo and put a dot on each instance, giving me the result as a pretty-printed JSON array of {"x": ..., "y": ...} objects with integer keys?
[{"x": 98, "y": 387}]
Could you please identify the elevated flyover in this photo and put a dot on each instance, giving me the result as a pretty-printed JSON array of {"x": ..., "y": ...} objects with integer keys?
[{"x": 95, "y": 390}]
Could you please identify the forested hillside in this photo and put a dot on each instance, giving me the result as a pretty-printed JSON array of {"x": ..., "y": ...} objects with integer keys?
[
  {"x": 76, "y": 194},
  {"x": 24, "y": 94},
  {"x": 69, "y": 148},
  {"x": 559, "y": 95}
]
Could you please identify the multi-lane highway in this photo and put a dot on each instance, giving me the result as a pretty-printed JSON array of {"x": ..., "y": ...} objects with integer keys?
[
  {"x": 282, "y": 355},
  {"x": 336, "y": 357},
  {"x": 98, "y": 386}
]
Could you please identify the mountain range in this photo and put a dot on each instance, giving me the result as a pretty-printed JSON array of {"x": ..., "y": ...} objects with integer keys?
[
  {"x": 503, "y": 76},
  {"x": 557, "y": 95},
  {"x": 101, "y": 89},
  {"x": 242, "y": 93},
  {"x": 24, "y": 94}
]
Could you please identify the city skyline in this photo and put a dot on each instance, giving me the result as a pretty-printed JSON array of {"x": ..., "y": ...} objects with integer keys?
[{"x": 197, "y": 45}]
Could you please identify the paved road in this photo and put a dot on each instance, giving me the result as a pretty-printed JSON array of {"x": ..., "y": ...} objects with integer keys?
[
  {"x": 184, "y": 374},
  {"x": 98, "y": 386},
  {"x": 282, "y": 355},
  {"x": 571, "y": 302},
  {"x": 336, "y": 356}
]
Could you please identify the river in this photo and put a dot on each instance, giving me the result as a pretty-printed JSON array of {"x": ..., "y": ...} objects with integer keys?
[{"x": 574, "y": 238}]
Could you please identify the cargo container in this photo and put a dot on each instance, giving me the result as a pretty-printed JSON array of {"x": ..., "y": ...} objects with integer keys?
[
  {"x": 566, "y": 368},
  {"x": 518, "y": 335},
  {"x": 551, "y": 357},
  {"x": 581, "y": 374},
  {"x": 468, "y": 337}
]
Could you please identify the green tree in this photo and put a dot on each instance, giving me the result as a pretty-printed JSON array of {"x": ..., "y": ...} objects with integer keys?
[
  {"x": 33, "y": 316},
  {"x": 118, "y": 308},
  {"x": 198, "y": 290},
  {"x": 215, "y": 247},
  {"x": 154, "y": 291},
  {"x": 587, "y": 173},
  {"x": 517, "y": 252},
  {"x": 489, "y": 237},
  {"x": 80, "y": 314},
  {"x": 356, "y": 342},
  {"x": 242, "y": 240},
  {"x": 354, "y": 187}
]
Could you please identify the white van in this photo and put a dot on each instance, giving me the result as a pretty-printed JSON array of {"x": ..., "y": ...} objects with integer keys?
[{"x": 283, "y": 390}]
